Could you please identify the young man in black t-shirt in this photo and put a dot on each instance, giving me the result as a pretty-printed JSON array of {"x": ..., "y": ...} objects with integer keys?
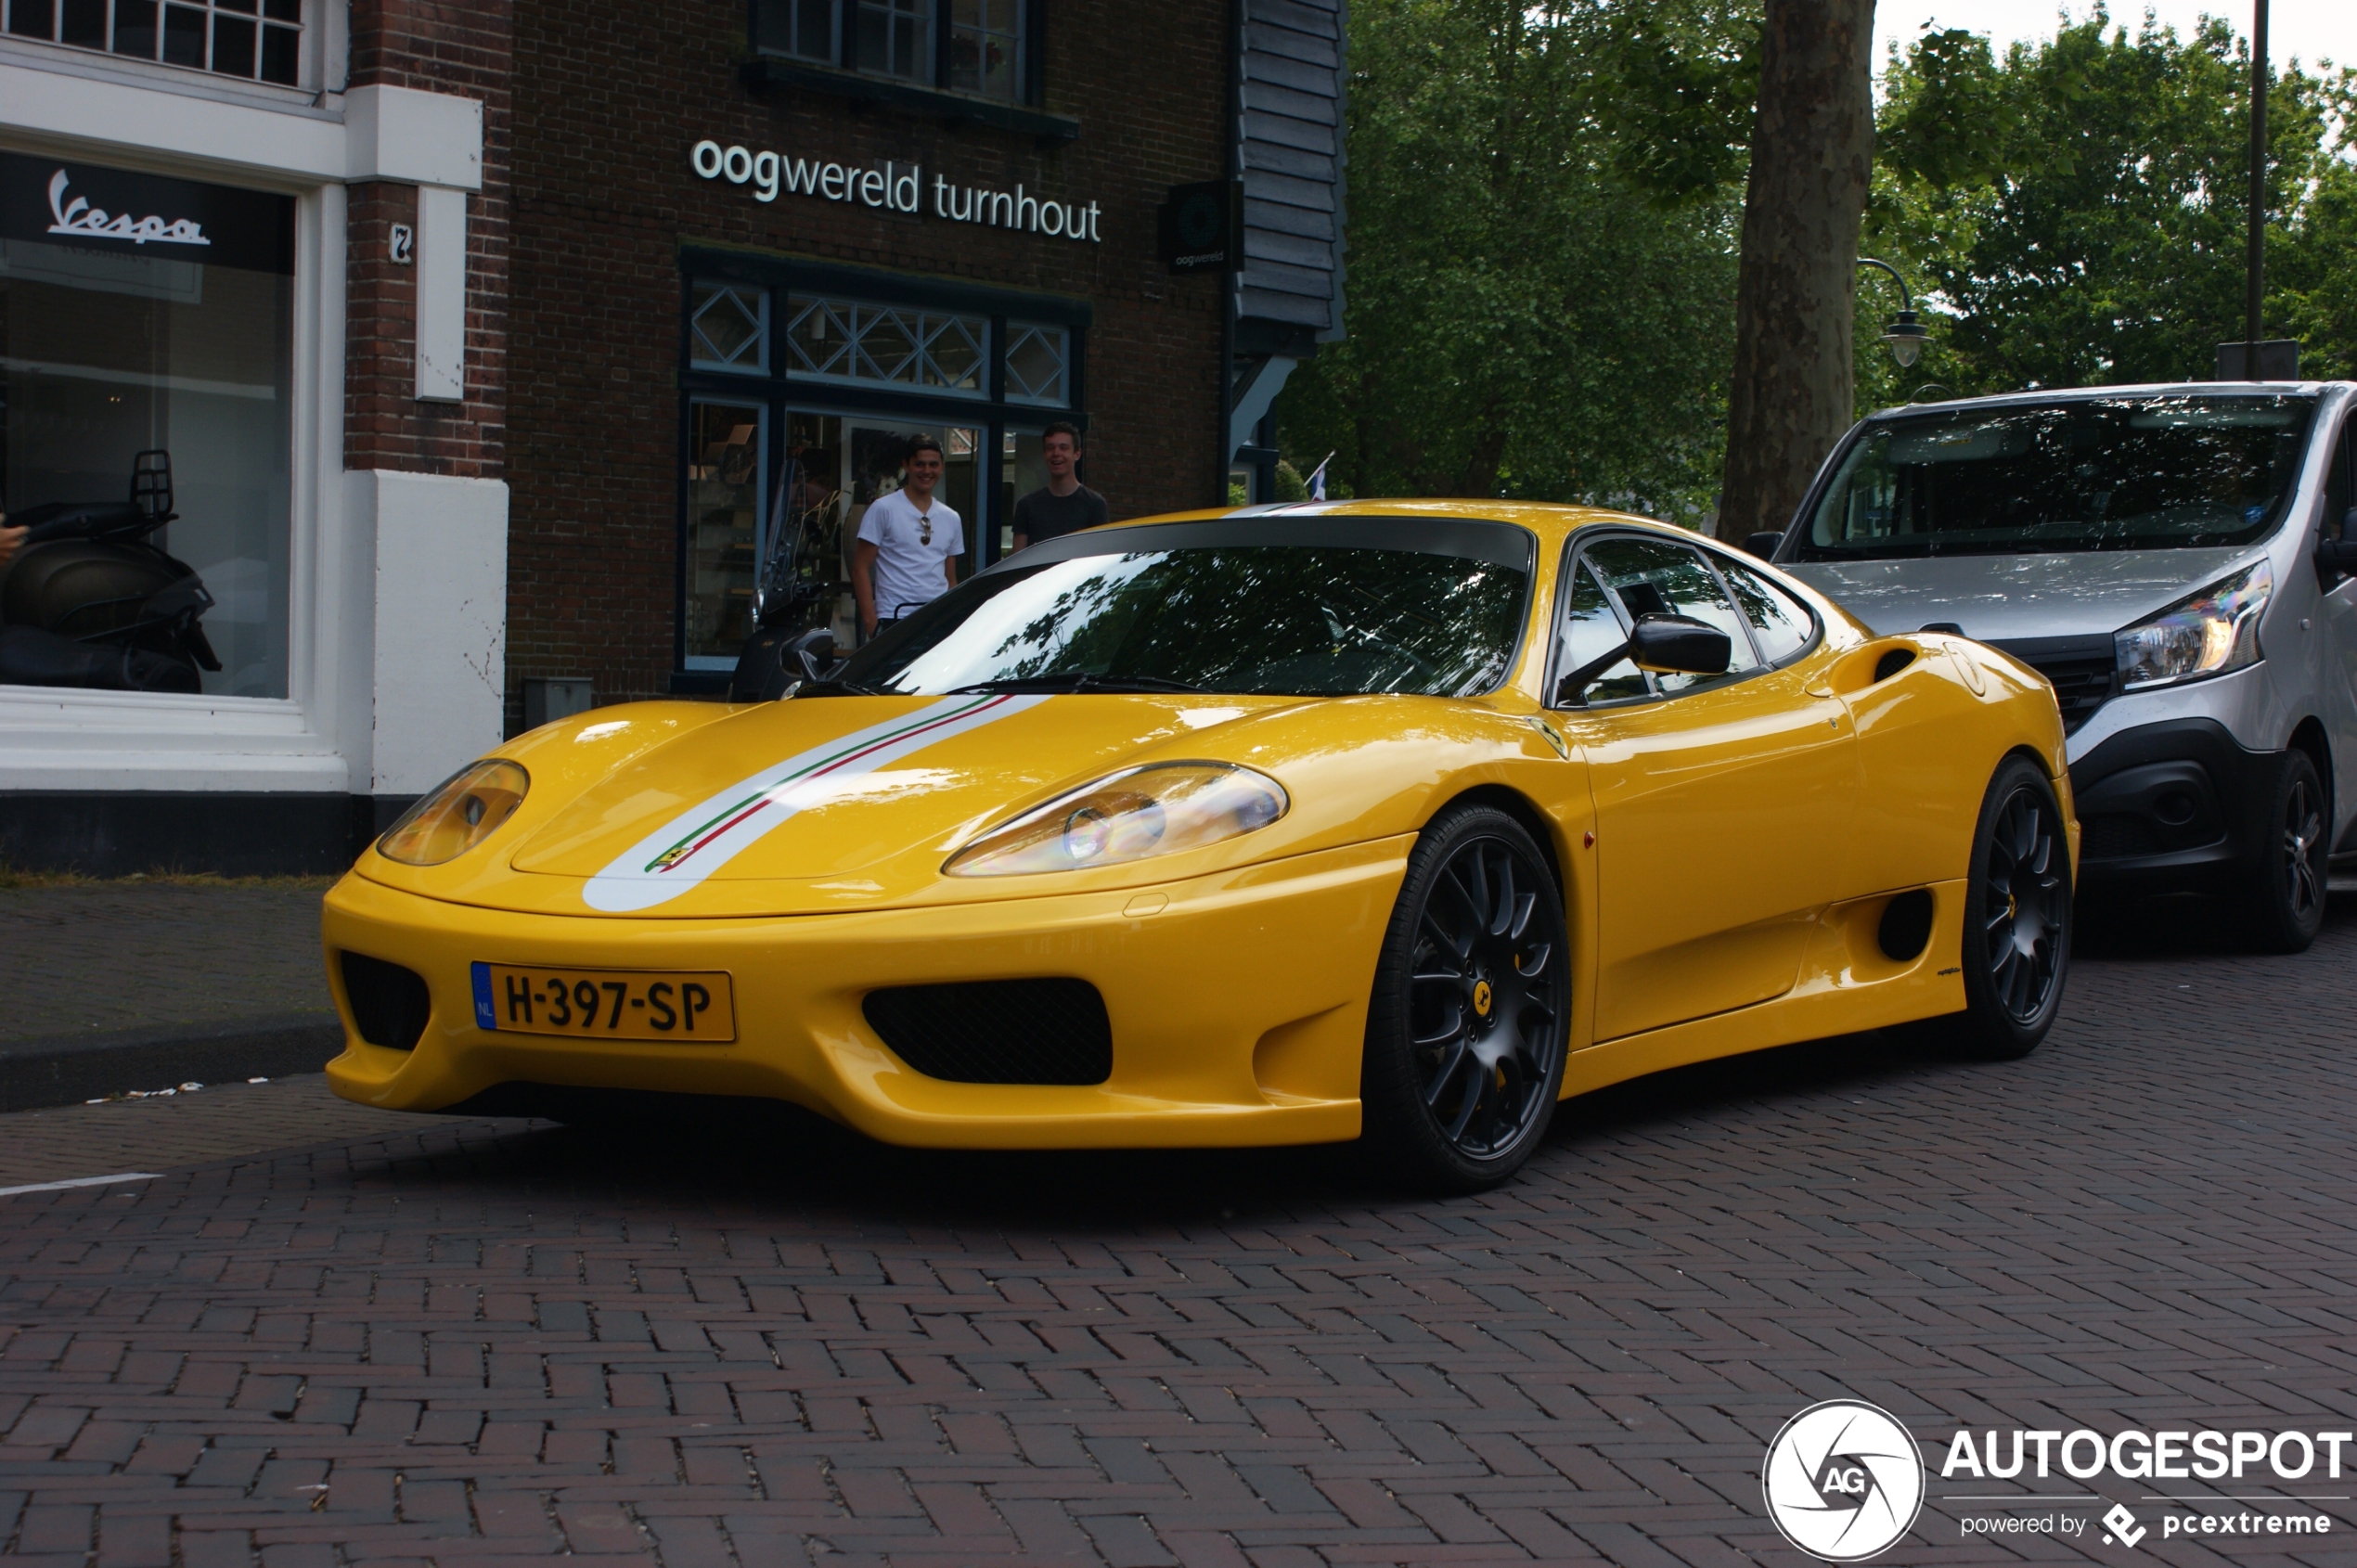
[{"x": 1064, "y": 503}]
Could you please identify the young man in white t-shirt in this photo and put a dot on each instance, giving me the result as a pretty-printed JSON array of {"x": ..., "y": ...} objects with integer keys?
[{"x": 910, "y": 544}]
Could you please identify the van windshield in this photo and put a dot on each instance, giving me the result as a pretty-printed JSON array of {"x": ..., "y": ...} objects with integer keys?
[{"x": 2115, "y": 473}]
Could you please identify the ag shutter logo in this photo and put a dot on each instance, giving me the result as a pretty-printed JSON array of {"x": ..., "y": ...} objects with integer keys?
[
  {"x": 2122, "y": 1523},
  {"x": 1843, "y": 1481}
]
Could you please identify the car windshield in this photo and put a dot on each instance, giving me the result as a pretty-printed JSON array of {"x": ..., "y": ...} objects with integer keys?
[
  {"x": 1224, "y": 607},
  {"x": 2114, "y": 473}
]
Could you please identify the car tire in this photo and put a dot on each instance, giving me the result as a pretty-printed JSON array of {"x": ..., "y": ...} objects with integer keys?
[
  {"x": 1469, "y": 1020},
  {"x": 2283, "y": 907},
  {"x": 2016, "y": 922}
]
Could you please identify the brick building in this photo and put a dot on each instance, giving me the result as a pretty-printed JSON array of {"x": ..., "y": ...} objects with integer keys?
[{"x": 496, "y": 340}]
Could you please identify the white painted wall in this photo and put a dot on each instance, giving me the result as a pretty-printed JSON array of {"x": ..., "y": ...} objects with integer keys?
[{"x": 440, "y": 657}]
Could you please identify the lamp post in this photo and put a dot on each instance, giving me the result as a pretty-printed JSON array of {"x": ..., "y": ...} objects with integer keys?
[
  {"x": 2254, "y": 265},
  {"x": 1906, "y": 335}
]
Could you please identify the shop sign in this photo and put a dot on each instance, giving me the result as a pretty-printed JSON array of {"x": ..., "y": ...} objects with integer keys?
[
  {"x": 899, "y": 187},
  {"x": 60, "y": 201}
]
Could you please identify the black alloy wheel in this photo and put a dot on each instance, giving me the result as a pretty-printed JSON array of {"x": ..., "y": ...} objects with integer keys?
[
  {"x": 1467, "y": 1026},
  {"x": 2016, "y": 921},
  {"x": 2286, "y": 907}
]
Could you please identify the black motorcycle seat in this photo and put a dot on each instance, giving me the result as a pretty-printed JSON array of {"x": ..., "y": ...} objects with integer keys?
[{"x": 84, "y": 519}]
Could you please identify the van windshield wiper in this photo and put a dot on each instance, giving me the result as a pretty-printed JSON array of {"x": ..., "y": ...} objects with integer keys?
[
  {"x": 844, "y": 688},
  {"x": 1078, "y": 680}
]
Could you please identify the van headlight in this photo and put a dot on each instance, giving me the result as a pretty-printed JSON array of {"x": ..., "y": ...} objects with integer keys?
[
  {"x": 2213, "y": 632},
  {"x": 1159, "y": 809},
  {"x": 460, "y": 815}
]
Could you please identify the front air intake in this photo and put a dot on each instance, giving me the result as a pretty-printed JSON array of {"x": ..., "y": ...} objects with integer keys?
[
  {"x": 996, "y": 1030},
  {"x": 389, "y": 1003}
]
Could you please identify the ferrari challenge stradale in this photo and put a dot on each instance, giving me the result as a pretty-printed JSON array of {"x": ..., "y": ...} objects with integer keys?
[{"x": 1394, "y": 821}]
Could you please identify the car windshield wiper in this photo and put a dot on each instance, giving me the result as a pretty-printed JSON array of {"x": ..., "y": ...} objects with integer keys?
[
  {"x": 1078, "y": 680},
  {"x": 844, "y": 688}
]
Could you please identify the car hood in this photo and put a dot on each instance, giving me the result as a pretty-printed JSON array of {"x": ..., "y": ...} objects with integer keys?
[
  {"x": 2007, "y": 597},
  {"x": 818, "y": 804}
]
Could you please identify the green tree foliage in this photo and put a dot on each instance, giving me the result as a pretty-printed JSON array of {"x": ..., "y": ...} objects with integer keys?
[
  {"x": 1542, "y": 208},
  {"x": 2077, "y": 207}
]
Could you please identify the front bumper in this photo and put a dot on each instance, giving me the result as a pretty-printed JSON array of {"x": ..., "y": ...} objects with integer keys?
[
  {"x": 2169, "y": 807},
  {"x": 1238, "y": 1004}
]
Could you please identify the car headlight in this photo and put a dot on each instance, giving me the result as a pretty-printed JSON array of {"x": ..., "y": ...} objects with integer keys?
[
  {"x": 1158, "y": 809},
  {"x": 2215, "y": 631},
  {"x": 460, "y": 815}
]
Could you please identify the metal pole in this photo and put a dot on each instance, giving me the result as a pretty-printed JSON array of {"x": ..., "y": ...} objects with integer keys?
[{"x": 2256, "y": 266}]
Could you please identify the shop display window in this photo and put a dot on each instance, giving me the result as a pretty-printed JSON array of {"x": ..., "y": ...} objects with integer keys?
[
  {"x": 144, "y": 314},
  {"x": 258, "y": 40},
  {"x": 805, "y": 433},
  {"x": 725, "y": 461}
]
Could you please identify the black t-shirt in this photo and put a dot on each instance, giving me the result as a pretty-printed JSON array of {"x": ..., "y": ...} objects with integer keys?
[{"x": 1043, "y": 514}]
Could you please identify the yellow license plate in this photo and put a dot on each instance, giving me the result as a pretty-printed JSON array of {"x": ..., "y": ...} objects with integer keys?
[{"x": 606, "y": 1004}]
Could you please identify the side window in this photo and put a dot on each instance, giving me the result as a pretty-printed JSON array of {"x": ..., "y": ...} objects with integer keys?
[
  {"x": 1656, "y": 577},
  {"x": 1591, "y": 628},
  {"x": 1779, "y": 622},
  {"x": 2340, "y": 485}
]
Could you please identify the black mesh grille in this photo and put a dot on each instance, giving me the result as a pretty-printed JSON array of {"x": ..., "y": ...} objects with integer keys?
[
  {"x": 389, "y": 1003},
  {"x": 2082, "y": 670},
  {"x": 998, "y": 1030},
  {"x": 2117, "y": 837}
]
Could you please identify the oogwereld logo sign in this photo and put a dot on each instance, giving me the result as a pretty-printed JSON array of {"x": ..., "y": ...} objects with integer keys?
[{"x": 1843, "y": 1481}]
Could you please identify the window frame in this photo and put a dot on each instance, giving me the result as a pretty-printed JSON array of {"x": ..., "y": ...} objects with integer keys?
[
  {"x": 312, "y": 23},
  {"x": 1575, "y": 556},
  {"x": 931, "y": 92},
  {"x": 783, "y": 392}
]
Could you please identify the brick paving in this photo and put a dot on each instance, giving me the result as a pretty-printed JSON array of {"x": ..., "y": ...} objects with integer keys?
[
  {"x": 100, "y": 957},
  {"x": 476, "y": 1343}
]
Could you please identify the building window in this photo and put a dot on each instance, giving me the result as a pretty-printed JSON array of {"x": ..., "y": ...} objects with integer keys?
[
  {"x": 978, "y": 48},
  {"x": 894, "y": 38},
  {"x": 985, "y": 49},
  {"x": 258, "y": 40},
  {"x": 730, "y": 328},
  {"x": 138, "y": 314},
  {"x": 1037, "y": 357},
  {"x": 851, "y": 341}
]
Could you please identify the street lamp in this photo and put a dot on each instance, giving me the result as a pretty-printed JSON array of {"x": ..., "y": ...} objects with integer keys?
[{"x": 1905, "y": 335}]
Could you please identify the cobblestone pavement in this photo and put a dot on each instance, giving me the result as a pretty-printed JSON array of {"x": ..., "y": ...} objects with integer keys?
[
  {"x": 120, "y": 955},
  {"x": 169, "y": 1131},
  {"x": 474, "y": 1343}
]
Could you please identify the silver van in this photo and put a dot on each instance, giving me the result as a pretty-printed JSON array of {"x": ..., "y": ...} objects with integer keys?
[{"x": 2172, "y": 558}]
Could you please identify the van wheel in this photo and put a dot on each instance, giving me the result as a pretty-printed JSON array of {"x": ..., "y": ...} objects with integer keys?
[
  {"x": 2285, "y": 908},
  {"x": 1468, "y": 1022},
  {"x": 2017, "y": 922}
]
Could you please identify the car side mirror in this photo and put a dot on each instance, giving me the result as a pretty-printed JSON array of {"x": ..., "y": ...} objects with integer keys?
[
  {"x": 1679, "y": 644},
  {"x": 1664, "y": 644},
  {"x": 814, "y": 652},
  {"x": 1763, "y": 545}
]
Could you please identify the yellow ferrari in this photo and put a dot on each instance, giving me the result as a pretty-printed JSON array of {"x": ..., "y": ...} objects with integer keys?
[{"x": 1394, "y": 821}]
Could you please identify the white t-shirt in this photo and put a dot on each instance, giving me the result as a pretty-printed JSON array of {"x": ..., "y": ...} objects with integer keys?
[{"x": 911, "y": 548}]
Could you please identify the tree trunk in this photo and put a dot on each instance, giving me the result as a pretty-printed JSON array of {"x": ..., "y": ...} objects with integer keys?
[{"x": 1813, "y": 148}]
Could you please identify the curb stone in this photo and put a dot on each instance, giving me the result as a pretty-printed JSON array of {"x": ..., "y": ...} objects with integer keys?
[{"x": 66, "y": 1070}]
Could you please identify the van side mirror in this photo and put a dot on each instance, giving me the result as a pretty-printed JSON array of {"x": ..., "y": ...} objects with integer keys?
[
  {"x": 1679, "y": 644},
  {"x": 2340, "y": 555},
  {"x": 1763, "y": 545},
  {"x": 814, "y": 652}
]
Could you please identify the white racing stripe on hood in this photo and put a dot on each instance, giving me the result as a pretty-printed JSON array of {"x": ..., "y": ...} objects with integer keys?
[{"x": 703, "y": 839}]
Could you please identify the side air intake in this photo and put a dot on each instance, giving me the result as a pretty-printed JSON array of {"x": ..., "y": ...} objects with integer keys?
[
  {"x": 996, "y": 1030},
  {"x": 389, "y": 1003}
]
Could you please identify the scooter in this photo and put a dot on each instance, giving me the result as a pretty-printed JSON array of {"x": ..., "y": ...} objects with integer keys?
[
  {"x": 92, "y": 602},
  {"x": 782, "y": 655}
]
